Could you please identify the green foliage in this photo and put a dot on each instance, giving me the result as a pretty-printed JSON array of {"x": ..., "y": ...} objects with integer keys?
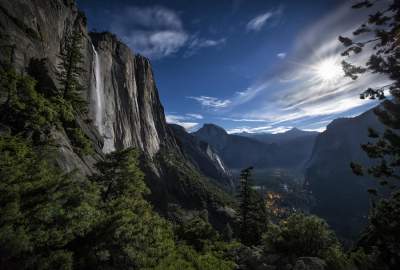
[
  {"x": 379, "y": 244},
  {"x": 130, "y": 234},
  {"x": 202, "y": 246},
  {"x": 70, "y": 70},
  {"x": 253, "y": 213},
  {"x": 359, "y": 259},
  {"x": 193, "y": 188},
  {"x": 53, "y": 221},
  {"x": 24, "y": 109},
  {"x": 304, "y": 236},
  {"x": 185, "y": 257},
  {"x": 381, "y": 240},
  {"x": 27, "y": 111},
  {"x": 79, "y": 141},
  {"x": 380, "y": 33},
  {"x": 197, "y": 233},
  {"x": 41, "y": 210}
]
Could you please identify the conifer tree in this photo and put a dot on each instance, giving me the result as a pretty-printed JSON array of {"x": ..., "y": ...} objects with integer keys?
[
  {"x": 130, "y": 235},
  {"x": 253, "y": 213},
  {"x": 381, "y": 34},
  {"x": 70, "y": 70},
  {"x": 42, "y": 211}
]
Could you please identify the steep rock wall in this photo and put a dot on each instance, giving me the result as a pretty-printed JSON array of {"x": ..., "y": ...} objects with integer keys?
[{"x": 133, "y": 114}]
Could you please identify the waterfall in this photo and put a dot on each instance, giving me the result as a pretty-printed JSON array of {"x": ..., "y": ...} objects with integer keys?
[
  {"x": 98, "y": 95},
  {"x": 104, "y": 128}
]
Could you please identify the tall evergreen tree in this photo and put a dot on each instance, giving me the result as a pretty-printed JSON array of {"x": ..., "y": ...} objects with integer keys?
[
  {"x": 70, "y": 70},
  {"x": 130, "y": 235},
  {"x": 252, "y": 212},
  {"x": 381, "y": 238}
]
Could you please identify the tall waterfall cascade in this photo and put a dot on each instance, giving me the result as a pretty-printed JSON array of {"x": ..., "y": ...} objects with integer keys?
[{"x": 98, "y": 106}]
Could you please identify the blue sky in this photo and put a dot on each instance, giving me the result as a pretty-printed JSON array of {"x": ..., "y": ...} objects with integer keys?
[{"x": 255, "y": 66}]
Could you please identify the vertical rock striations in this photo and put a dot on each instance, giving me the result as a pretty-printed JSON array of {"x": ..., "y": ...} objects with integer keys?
[
  {"x": 132, "y": 112},
  {"x": 124, "y": 106}
]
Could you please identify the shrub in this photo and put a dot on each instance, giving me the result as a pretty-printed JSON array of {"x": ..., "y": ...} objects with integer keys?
[{"x": 304, "y": 236}]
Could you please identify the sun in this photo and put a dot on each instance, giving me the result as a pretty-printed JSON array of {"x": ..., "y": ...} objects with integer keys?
[{"x": 329, "y": 70}]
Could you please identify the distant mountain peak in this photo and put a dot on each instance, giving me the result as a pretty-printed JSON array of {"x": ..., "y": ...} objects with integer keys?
[
  {"x": 212, "y": 128},
  {"x": 294, "y": 129}
]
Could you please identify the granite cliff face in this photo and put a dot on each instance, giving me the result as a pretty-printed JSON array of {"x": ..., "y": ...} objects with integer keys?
[
  {"x": 132, "y": 112},
  {"x": 341, "y": 197},
  {"x": 34, "y": 31},
  {"x": 124, "y": 106}
]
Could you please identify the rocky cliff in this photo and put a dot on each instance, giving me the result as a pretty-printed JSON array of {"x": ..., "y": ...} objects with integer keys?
[
  {"x": 132, "y": 114},
  {"x": 341, "y": 197},
  {"x": 124, "y": 106},
  {"x": 33, "y": 31}
]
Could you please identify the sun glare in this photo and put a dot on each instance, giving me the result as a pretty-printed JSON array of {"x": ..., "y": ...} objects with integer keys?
[{"x": 329, "y": 70}]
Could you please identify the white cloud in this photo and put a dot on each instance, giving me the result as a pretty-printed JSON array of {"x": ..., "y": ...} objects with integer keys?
[
  {"x": 321, "y": 129},
  {"x": 180, "y": 120},
  {"x": 281, "y": 55},
  {"x": 153, "y": 31},
  {"x": 195, "y": 115},
  {"x": 212, "y": 102},
  {"x": 261, "y": 129},
  {"x": 199, "y": 43},
  {"x": 296, "y": 92},
  {"x": 258, "y": 22}
]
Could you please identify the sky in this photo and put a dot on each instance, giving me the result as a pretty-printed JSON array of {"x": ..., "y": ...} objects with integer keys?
[{"x": 248, "y": 66}]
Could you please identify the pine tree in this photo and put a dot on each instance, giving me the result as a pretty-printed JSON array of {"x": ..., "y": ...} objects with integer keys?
[
  {"x": 42, "y": 211},
  {"x": 130, "y": 235},
  {"x": 383, "y": 25},
  {"x": 70, "y": 70},
  {"x": 381, "y": 238},
  {"x": 253, "y": 213}
]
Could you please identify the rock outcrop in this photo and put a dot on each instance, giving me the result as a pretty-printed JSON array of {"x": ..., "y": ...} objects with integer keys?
[
  {"x": 341, "y": 196},
  {"x": 132, "y": 111},
  {"x": 32, "y": 33}
]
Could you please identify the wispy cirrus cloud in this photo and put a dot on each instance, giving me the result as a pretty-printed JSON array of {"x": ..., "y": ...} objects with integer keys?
[
  {"x": 153, "y": 31},
  {"x": 195, "y": 115},
  {"x": 296, "y": 93},
  {"x": 157, "y": 32},
  {"x": 197, "y": 44},
  {"x": 187, "y": 121},
  {"x": 262, "y": 129},
  {"x": 258, "y": 22},
  {"x": 211, "y": 102}
]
